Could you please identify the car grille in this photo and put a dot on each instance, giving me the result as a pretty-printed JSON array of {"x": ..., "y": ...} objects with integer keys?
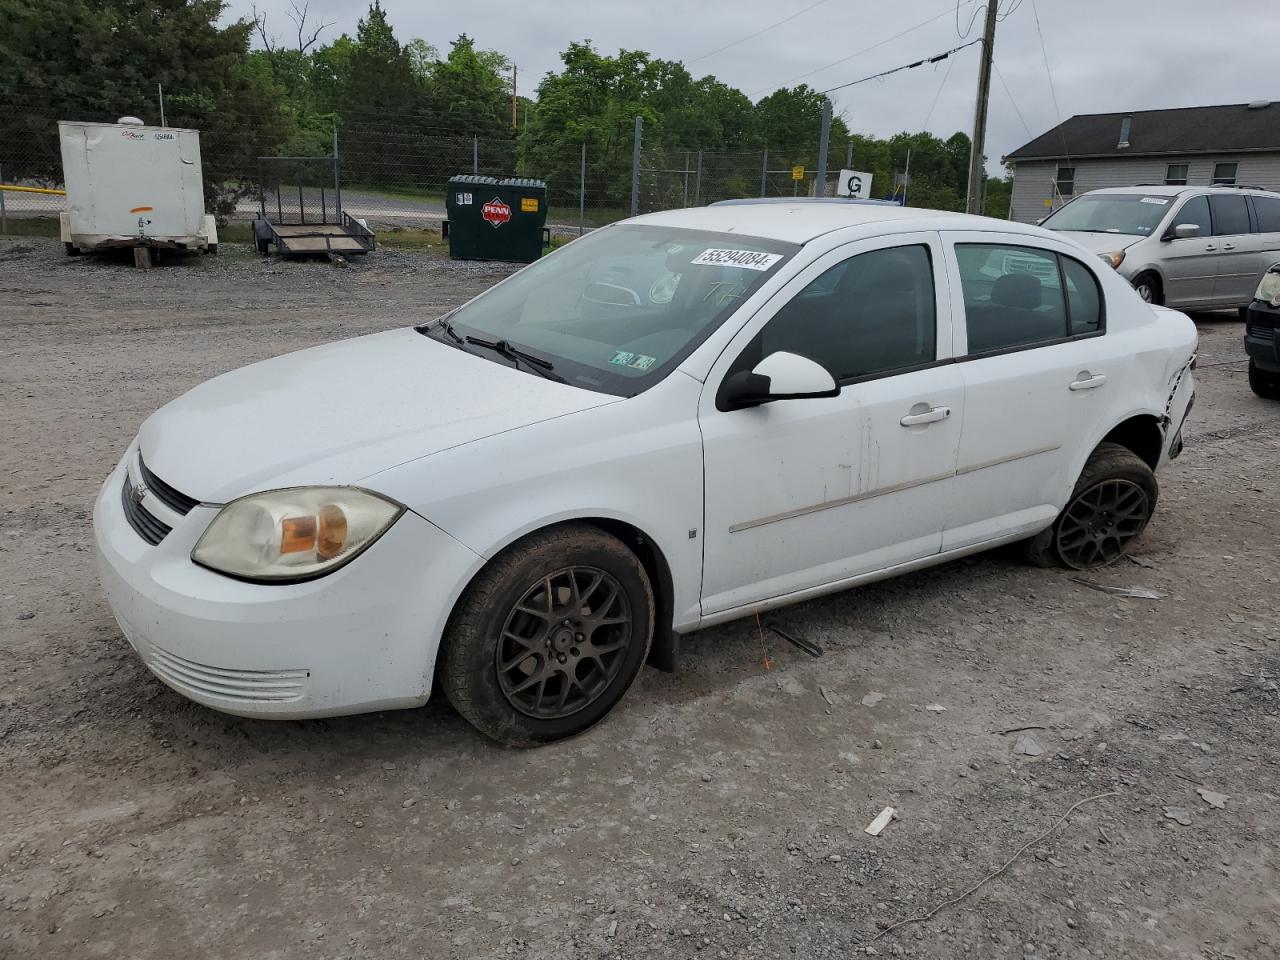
[
  {"x": 1259, "y": 332},
  {"x": 245, "y": 685},
  {"x": 175, "y": 500},
  {"x": 144, "y": 524}
]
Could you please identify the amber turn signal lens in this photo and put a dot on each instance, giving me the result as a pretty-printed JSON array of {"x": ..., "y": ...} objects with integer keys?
[
  {"x": 333, "y": 532},
  {"x": 297, "y": 534}
]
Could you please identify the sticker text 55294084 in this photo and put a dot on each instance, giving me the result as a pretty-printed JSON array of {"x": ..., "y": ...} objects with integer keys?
[{"x": 746, "y": 259}]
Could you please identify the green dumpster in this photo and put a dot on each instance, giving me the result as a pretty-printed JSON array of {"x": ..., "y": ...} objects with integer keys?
[{"x": 492, "y": 219}]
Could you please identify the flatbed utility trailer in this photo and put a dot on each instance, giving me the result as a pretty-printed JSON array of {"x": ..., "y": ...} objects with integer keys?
[{"x": 300, "y": 209}]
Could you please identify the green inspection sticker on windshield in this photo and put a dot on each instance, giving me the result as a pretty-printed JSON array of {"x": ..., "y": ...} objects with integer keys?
[{"x": 636, "y": 361}]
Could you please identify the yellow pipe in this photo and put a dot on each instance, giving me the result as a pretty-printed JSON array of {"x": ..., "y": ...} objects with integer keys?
[{"x": 17, "y": 189}]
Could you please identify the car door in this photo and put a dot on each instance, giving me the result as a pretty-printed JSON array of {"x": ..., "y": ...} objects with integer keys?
[
  {"x": 808, "y": 492},
  {"x": 1189, "y": 266},
  {"x": 1239, "y": 252},
  {"x": 1035, "y": 368},
  {"x": 1266, "y": 212}
]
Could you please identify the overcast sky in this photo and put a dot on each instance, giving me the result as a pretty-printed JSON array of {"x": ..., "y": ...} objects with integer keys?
[{"x": 1105, "y": 55}]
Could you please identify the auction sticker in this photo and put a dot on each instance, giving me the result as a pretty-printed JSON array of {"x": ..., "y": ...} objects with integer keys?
[
  {"x": 1160, "y": 200},
  {"x": 746, "y": 259}
]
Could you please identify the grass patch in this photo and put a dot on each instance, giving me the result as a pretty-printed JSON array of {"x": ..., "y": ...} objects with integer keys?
[{"x": 33, "y": 227}]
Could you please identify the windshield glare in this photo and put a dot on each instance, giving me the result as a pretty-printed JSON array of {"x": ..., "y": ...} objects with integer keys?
[
  {"x": 1133, "y": 214},
  {"x": 616, "y": 309}
]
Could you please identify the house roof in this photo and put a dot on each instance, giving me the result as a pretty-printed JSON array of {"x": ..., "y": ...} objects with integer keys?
[{"x": 1231, "y": 128}]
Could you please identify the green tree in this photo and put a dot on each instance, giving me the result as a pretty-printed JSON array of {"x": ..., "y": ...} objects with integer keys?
[
  {"x": 99, "y": 59},
  {"x": 466, "y": 95}
]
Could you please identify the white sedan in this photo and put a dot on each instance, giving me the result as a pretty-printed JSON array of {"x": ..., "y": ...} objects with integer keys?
[{"x": 671, "y": 422}]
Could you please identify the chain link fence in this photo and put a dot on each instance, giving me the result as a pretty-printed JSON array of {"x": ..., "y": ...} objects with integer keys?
[{"x": 393, "y": 172}]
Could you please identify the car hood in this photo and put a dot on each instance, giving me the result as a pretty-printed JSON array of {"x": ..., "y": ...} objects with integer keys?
[
  {"x": 1102, "y": 242},
  {"x": 337, "y": 413}
]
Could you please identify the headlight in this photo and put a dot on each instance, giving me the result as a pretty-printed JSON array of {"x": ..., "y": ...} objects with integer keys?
[
  {"x": 1269, "y": 289},
  {"x": 1115, "y": 258},
  {"x": 294, "y": 534}
]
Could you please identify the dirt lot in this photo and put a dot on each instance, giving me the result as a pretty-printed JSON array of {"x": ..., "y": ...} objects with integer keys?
[{"x": 720, "y": 812}]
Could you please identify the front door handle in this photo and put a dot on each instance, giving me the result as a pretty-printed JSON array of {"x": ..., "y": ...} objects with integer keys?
[
  {"x": 1086, "y": 381},
  {"x": 1210, "y": 247},
  {"x": 929, "y": 415}
]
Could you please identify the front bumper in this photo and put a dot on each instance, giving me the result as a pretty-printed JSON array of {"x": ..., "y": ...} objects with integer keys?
[
  {"x": 1262, "y": 335},
  {"x": 362, "y": 638}
]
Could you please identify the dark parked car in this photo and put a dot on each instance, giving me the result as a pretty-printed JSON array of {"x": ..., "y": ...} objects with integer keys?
[{"x": 1262, "y": 336}]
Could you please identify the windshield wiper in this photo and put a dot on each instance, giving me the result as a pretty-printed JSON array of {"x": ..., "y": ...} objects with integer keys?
[{"x": 501, "y": 347}]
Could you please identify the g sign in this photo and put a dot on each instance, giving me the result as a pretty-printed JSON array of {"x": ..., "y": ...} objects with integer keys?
[{"x": 854, "y": 183}]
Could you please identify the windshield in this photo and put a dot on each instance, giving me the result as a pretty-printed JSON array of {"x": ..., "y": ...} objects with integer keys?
[
  {"x": 1131, "y": 213},
  {"x": 616, "y": 309}
]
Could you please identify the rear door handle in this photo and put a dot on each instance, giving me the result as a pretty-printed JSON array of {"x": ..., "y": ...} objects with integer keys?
[
  {"x": 931, "y": 415},
  {"x": 1084, "y": 381},
  {"x": 1228, "y": 246}
]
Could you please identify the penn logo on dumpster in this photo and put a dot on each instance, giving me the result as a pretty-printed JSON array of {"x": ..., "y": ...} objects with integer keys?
[{"x": 495, "y": 212}]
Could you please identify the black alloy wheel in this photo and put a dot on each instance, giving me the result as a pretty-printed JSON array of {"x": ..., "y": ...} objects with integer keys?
[
  {"x": 562, "y": 644},
  {"x": 1100, "y": 521}
]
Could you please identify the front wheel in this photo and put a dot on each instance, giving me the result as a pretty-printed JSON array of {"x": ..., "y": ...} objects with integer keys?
[
  {"x": 1110, "y": 506},
  {"x": 549, "y": 636},
  {"x": 1265, "y": 383},
  {"x": 1148, "y": 287}
]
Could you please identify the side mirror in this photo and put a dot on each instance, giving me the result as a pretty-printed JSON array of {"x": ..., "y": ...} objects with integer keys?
[
  {"x": 1186, "y": 231},
  {"x": 779, "y": 376}
]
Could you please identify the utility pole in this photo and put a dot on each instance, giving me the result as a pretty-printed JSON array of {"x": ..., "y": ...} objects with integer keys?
[
  {"x": 977, "y": 171},
  {"x": 824, "y": 138},
  {"x": 513, "y": 96}
]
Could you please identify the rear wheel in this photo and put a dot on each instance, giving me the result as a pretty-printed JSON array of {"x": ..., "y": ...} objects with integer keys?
[
  {"x": 1110, "y": 506},
  {"x": 1265, "y": 383},
  {"x": 1148, "y": 287},
  {"x": 549, "y": 637}
]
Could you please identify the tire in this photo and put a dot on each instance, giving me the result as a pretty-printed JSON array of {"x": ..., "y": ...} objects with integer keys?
[
  {"x": 264, "y": 247},
  {"x": 504, "y": 635},
  {"x": 212, "y": 249},
  {"x": 71, "y": 249},
  {"x": 1265, "y": 383},
  {"x": 1148, "y": 287},
  {"x": 1109, "y": 508}
]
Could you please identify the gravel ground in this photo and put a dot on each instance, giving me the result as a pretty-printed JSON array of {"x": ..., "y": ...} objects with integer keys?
[{"x": 720, "y": 812}]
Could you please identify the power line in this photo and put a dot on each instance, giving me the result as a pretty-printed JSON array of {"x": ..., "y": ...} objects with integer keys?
[
  {"x": 752, "y": 36},
  {"x": 835, "y": 63},
  {"x": 977, "y": 10},
  {"x": 1052, "y": 92},
  {"x": 906, "y": 66},
  {"x": 1014, "y": 102},
  {"x": 951, "y": 62}
]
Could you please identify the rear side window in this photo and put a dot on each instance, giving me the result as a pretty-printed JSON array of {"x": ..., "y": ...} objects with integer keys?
[
  {"x": 1267, "y": 210},
  {"x": 1084, "y": 299},
  {"x": 1230, "y": 215},
  {"x": 1014, "y": 297}
]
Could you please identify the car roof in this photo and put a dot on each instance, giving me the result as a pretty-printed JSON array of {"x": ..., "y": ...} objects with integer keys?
[
  {"x": 1165, "y": 190},
  {"x": 808, "y": 218}
]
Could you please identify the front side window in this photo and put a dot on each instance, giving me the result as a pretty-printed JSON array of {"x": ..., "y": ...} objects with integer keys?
[
  {"x": 616, "y": 310},
  {"x": 1135, "y": 214},
  {"x": 1176, "y": 175},
  {"x": 1224, "y": 174},
  {"x": 869, "y": 315},
  {"x": 1014, "y": 297},
  {"x": 1230, "y": 215},
  {"x": 1066, "y": 181},
  {"x": 1196, "y": 212}
]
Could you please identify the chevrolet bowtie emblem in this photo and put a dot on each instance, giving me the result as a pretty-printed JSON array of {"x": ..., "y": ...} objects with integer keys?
[{"x": 138, "y": 493}]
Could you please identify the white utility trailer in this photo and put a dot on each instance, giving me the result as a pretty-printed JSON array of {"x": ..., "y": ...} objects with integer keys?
[{"x": 130, "y": 185}]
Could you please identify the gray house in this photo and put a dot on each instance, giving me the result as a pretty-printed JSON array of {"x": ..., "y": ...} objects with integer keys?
[{"x": 1231, "y": 144}]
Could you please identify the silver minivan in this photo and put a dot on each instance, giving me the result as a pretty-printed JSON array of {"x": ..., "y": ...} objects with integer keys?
[{"x": 1197, "y": 248}]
